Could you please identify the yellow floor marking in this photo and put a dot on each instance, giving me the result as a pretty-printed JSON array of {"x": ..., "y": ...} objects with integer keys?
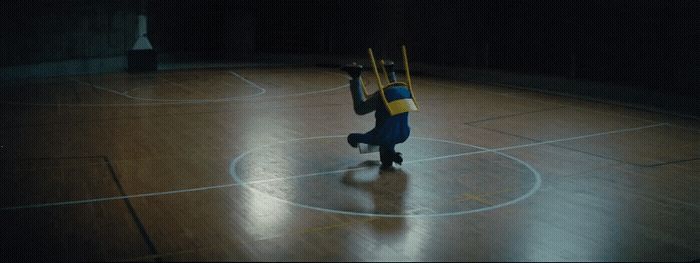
[
  {"x": 471, "y": 197},
  {"x": 305, "y": 231},
  {"x": 328, "y": 227},
  {"x": 480, "y": 197},
  {"x": 181, "y": 252}
]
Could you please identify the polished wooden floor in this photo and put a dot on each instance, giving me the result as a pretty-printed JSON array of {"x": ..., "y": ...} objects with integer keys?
[{"x": 252, "y": 164}]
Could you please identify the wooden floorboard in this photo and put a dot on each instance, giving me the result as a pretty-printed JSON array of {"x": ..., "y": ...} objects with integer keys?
[{"x": 253, "y": 164}]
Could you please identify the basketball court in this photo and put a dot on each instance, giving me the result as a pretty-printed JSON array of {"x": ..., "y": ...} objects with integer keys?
[{"x": 252, "y": 163}]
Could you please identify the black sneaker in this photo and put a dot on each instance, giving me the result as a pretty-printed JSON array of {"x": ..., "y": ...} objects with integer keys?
[
  {"x": 352, "y": 142},
  {"x": 354, "y": 70},
  {"x": 386, "y": 167},
  {"x": 398, "y": 158}
]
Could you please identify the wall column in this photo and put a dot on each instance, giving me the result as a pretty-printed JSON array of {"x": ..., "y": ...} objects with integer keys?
[{"x": 142, "y": 57}]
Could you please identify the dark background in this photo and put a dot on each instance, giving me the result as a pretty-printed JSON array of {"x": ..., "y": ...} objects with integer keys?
[{"x": 651, "y": 45}]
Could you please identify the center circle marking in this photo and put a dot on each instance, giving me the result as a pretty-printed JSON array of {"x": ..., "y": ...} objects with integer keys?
[{"x": 238, "y": 180}]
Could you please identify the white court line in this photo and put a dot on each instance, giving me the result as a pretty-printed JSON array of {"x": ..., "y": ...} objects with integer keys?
[
  {"x": 126, "y": 95},
  {"x": 310, "y": 92},
  {"x": 462, "y": 154},
  {"x": 541, "y": 143},
  {"x": 318, "y": 173},
  {"x": 537, "y": 184},
  {"x": 159, "y": 102},
  {"x": 245, "y": 79},
  {"x": 512, "y": 95},
  {"x": 103, "y": 199},
  {"x": 515, "y": 96}
]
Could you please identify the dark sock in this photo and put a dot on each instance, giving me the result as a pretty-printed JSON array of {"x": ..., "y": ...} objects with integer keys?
[{"x": 388, "y": 167}]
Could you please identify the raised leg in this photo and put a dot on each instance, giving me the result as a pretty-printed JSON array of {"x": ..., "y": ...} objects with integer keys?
[
  {"x": 355, "y": 138},
  {"x": 389, "y": 66},
  {"x": 361, "y": 105}
]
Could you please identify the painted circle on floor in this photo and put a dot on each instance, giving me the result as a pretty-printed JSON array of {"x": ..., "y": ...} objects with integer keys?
[
  {"x": 438, "y": 177},
  {"x": 84, "y": 92}
]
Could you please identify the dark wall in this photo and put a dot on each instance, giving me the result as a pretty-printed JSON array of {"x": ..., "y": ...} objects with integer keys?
[
  {"x": 243, "y": 28},
  {"x": 35, "y": 31},
  {"x": 202, "y": 26},
  {"x": 649, "y": 44}
]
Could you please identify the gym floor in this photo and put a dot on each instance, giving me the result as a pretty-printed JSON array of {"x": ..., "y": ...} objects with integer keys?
[{"x": 253, "y": 164}]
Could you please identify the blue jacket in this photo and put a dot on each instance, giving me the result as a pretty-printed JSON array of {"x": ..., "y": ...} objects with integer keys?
[{"x": 390, "y": 130}]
